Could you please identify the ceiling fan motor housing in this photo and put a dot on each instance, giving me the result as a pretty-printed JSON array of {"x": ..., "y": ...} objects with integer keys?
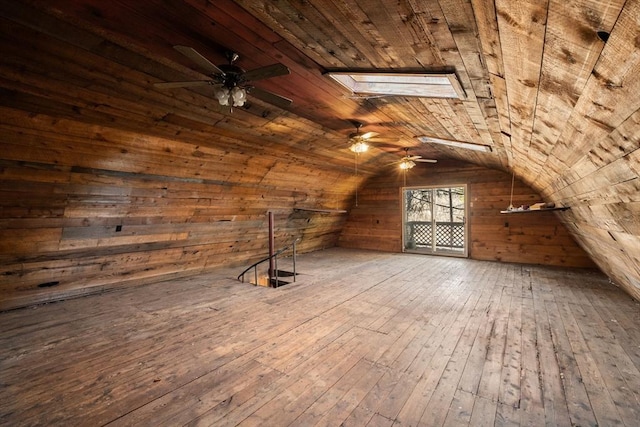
[{"x": 233, "y": 75}]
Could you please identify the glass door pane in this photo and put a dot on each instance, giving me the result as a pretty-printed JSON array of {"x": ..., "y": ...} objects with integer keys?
[
  {"x": 434, "y": 220},
  {"x": 418, "y": 219}
]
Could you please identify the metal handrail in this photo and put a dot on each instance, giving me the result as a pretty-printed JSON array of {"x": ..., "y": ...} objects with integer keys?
[{"x": 275, "y": 256}]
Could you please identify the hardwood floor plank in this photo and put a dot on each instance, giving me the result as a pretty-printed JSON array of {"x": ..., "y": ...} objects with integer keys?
[
  {"x": 618, "y": 323},
  {"x": 365, "y": 412},
  {"x": 379, "y": 421},
  {"x": 321, "y": 408},
  {"x": 531, "y": 391},
  {"x": 218, "y": 388},
  {"x": 601, "y": 400},
  {"x": 484, "y": 412},
  {"x": 349, "y": 401},
  {"x": 274, "y": 400},
  {"x": 554, "y": 398},
  {"x": 506, "y": 415},
  {"x": 459, "y": 413},
  {"x": 446, "y": 397},
  {"x": 362, "y": 338},
  {"x": 615, "y": 369},
  {"x": 416, "y": 353},
  {"x": 473, "y": 370},
  {"x": 492, "y": 370},
  {"x": 310, "y": 399},
  {"x": 510, "y": 387},
  {"x": 577, "y": 400}
]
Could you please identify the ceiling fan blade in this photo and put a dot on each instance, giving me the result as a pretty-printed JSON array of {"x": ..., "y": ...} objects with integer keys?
[
  {"x": 271, "y": 98},
  {"x": 368, "y": 135},
  {"x": 266, "y": 72},
  {"x": 169, "y": 85},
  {"x": 425, "y": 160},
  {"x": 196, "y": 57}
]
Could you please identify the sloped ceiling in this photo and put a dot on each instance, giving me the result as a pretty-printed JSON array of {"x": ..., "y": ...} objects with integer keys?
[{"x": 552, "y": 86}]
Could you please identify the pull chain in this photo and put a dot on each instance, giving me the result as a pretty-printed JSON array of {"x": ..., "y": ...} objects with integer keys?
[
  {"x": 513, "y": 177},
  {"x": 356, "y": 160}
]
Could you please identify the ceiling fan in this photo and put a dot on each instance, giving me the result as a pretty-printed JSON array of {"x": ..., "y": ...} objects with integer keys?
[
  {"x": 408, "y": 162},
  {"x": 359, "y": 142},
  {"x": 231, "y": 81}
]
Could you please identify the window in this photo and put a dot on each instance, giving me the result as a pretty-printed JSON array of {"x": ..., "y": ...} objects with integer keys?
[{"x": 428, "y": 85}]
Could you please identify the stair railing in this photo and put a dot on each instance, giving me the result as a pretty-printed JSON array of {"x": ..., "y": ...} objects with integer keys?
[{"x": 275, "y": 270}]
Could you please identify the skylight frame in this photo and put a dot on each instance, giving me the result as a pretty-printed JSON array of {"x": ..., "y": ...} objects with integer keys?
[
  {"x": 453, "y": 143},
  {"x": 386, "y": 83}
]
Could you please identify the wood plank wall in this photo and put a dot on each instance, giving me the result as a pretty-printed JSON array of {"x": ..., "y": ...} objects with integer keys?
[
  {"x": 86, "y": 208},
  {"x": 533, "y": 238}
]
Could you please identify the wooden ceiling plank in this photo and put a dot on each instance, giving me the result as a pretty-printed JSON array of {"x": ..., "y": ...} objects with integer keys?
[
  {"x": 462, "y": 25},
  {"x": 313, "y": 108},
  {"x": 443, "y": 39},
  {"x": 572, "y": 48},
  {"x": 420, "y": 23},
  {"x": 627, "y": 191},
  {"x": 608, "y": 100},
  {"x": 464, "y": 30},
  {"x": 308, "y": 27},
  {"x": 160, "y": 129},
  {"x": 257, "y": 45},
  {"x": 522, "y": 32},
  {"x": 610, "y": 177},
  {"x": 346, "y": 21},
  {"x": 419, "y": 113},
  {"x": 457, "y": 123},
  {"x": 400, "y": 38},
  {"x": 619, "y": 143},
  {"x": 604, "y": 181},
  {"x": 60, "y": 61},
  {"x": 212, "y": 28},
  {"x": 112, "y": 73},
  {"x": 310, "y": 100},
  {"x": 352, "y": 24},
  {"x": 227, "y": 36},
  {"x": 487, "y": 24}
]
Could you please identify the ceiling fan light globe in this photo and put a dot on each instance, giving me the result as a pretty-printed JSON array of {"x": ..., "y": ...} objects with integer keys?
[
  {"x": 359, "y": 147},
  {"x": 238, "y": 94},
  {"x": 222, "y": 95},
  {"x": 406, "y": 164}
]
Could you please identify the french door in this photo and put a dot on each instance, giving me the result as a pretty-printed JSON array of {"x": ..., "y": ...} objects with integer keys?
[{"x": 434, "y": 220}]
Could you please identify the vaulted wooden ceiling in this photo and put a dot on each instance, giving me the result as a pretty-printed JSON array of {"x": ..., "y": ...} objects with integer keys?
[{"x": 552, "y": 86}]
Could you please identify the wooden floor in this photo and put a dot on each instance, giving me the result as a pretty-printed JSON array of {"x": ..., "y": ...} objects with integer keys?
[{"x": 363, "y": 338}]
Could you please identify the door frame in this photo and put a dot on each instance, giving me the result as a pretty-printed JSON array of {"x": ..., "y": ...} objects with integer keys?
[{"x": 465, "y": 252}]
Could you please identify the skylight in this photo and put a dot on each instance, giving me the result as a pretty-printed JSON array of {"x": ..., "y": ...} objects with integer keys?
[
  {"x": 428, "y": 85},
  {"x": 457, "y": 144}
]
